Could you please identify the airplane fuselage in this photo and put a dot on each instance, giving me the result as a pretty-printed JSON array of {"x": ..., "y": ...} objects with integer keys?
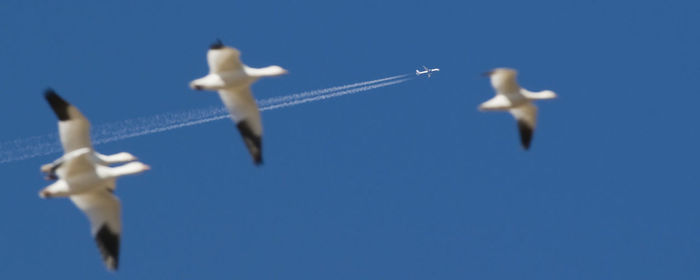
[{"x": 427, "y": 71}]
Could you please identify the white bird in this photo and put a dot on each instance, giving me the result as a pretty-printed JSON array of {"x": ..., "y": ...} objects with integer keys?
[
  {"x": 232, "y": 79},
  {"x": 89, "y": 183},
  {"x": 50, "y": 168},
  {"x": 516, "y": 100},
  {"x": 74, "y": 131}
]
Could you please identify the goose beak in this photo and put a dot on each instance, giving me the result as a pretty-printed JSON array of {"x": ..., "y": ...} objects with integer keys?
[
  {"x": 195, "y": 86},
  {"x": 487, "y": 74},
  {"x": 45, "y": 194}
]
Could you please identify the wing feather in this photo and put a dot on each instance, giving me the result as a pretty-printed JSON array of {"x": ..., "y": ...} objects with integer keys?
[
  {"x": 73, "y": 127},
  {"x": 526, "y": 116},
  {"x": 241, "y": 104},
  {"x": 245, "y": 113},
  {"x": 498, "y": 102},
  {"x": 103, "y": 210}
]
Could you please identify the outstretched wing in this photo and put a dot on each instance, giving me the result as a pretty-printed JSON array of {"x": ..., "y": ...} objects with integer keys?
[
  {"x": 245, "y": 113},
  {"x": 104, "y": 212},
  {"x": 222, "y": 58},
  {"x": 526, "y": 116},
  {"x": 73, "y": 127},
  {"x": 496, "y": 103}
]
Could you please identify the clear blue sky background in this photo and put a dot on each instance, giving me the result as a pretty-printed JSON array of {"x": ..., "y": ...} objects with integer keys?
[{"x": 403, "y": 182}]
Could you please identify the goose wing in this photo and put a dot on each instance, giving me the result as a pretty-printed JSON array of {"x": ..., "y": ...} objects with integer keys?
[
  {"x": 73, "y": 127},
  {"x": 103, "y": 210},
  {"x": 526, "y": 116},
  {"x": 244, "y": 112}
]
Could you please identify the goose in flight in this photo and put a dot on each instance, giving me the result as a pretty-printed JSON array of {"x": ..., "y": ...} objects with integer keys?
[
  {"x": 90, "y": 184},
  {"x": 232, "y": 79},
  {"x": 74, "y": 132},
  {"x": 516, "y": 100}
]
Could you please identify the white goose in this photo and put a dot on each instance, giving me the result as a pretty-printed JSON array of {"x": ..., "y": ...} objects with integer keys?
[
  {"x": 516, "y": 100},
  {"x": 89, "y": 184},
  {"x": 74, "y": 131},
  {"x": 232, "y": 79}
]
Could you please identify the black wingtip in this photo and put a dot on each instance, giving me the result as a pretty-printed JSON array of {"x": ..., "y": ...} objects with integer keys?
[
  {"x": 525, "y": 134},
  {"x": 49, "y": 91},
  {"x": 216, "y": 45},
  {"x": 257, "y": 160},
  {"x": 108, "y": 243},
  {"x": 252, "y": 141},
  {"x": 59, "y": 106}
]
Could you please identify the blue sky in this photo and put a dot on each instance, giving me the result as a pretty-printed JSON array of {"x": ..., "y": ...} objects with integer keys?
[{"x": 403, "y": 182}]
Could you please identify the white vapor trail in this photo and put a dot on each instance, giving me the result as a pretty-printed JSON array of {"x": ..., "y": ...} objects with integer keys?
[
  {"x": 332, "y": 95},
  {"x": 291, "y": 97},
  {"x": 31, "y": 147}
]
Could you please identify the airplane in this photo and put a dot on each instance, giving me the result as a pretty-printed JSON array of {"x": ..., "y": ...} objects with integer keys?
[{"x": 427, "y": 71}]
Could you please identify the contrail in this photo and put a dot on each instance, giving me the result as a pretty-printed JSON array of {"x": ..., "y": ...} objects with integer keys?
[
  {"x": 30, "y": 147},
  {"x": 332, "y": 95},
  {"x": 291, "y": 97},
  {"x": 205, "y": 116}
]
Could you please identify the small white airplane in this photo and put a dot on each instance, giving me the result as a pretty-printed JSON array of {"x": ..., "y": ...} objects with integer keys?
[{"x": 427, "y": 71}]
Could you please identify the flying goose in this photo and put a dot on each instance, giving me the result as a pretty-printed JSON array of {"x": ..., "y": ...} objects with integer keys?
[
  {"x": 232, "y": 79},
  {"x": 88, "y": 182},
  {"x": 74, "y": 132},
  {"x": 516, "y": 100}
]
